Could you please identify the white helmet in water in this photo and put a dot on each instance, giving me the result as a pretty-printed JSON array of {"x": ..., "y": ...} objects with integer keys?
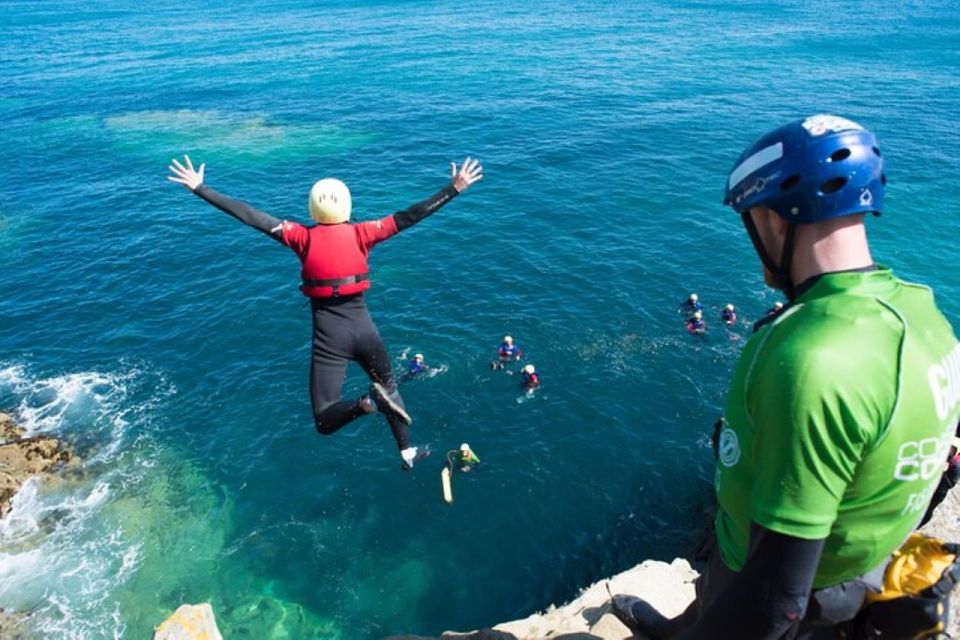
[
  {"x": 464, "y": 447},
  {"x": 330, "y": 202},
  {"x": 508, "y": 339},
  {"x": 729, "y": 307},
  {"x": 529, "y": 369},
  {"x": 418, "y": 357},
  {"x": 694, "y": 297}
]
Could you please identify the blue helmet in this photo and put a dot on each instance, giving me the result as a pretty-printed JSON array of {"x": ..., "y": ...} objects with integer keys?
[{"x": 810, "y": 170}]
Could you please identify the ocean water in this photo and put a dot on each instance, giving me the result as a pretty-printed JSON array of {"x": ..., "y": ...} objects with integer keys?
[{"x": 168, "y": 344}]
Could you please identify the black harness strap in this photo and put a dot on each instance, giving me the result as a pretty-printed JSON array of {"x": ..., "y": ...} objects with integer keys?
[{"x": 336, "y": 283}]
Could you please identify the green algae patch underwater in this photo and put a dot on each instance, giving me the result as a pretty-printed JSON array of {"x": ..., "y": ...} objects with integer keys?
[{"x": 230, "y": 137}]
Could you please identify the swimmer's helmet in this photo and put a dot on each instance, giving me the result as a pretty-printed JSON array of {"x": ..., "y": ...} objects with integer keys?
[{"x": 330, "y": 202}]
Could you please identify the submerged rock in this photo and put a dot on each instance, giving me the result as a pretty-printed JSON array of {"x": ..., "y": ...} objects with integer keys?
[
  {"x": 9, "y": 429},
  {"x": 668, "y": 587},
  {"x": 268, "y": 616},
  {"x": 11, "y": 627},
  {"x": 22, "y": 457},
  {"x": 189, "y": 622}
]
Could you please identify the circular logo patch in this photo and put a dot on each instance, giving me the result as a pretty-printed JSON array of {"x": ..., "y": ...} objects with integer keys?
[{"x": 729, "y": 447}]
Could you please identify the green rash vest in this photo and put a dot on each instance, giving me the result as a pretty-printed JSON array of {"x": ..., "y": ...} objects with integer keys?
[{"x": 838, "y": 422}]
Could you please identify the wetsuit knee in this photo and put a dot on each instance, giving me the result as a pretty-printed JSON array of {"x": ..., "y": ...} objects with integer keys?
[{"x": 324, "y": 428}]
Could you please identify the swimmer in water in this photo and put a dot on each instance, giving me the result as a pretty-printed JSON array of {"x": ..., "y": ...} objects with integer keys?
[
  {"x": 508, "y": 352},
  {"x": 775, "y": 309},
  {"x": 464, "y": 458},
  {"x": 416, "y": 366},
  {"x": 531, "y": 380},
  {"x": 695, "y": 323},
  {"x": 729, "y": 315},
  {"x": 691, "y": 304}
]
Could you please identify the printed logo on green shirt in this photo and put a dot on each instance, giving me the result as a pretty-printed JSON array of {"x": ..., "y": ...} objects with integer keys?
[
  {"x": 944, "y": 379},
  {"x": 729, "y": 447}
]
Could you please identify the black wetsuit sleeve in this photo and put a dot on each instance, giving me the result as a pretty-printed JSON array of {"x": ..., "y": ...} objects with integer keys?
[
  {"x": 769, "y": 596},
  {"x": 243, "y": 212},
  {"x": 417, "y": 212}
]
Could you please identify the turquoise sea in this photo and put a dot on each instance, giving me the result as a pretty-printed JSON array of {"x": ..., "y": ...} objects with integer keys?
[{"x": 168, "y": 344}]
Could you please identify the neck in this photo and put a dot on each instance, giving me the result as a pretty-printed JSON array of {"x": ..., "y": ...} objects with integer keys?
[{"x": 835, "y": 245}]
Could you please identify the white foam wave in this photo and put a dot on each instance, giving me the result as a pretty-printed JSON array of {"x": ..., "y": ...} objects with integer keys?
[
  {"x": 46, "y": 402},
  {"x": 58, "y": 558}
]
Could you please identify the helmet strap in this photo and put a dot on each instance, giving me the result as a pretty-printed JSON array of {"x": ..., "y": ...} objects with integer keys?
[{"x": 780, "y": 272}]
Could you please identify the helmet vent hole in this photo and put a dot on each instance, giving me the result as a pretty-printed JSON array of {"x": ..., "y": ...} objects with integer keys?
[
  {"x": 883, "y": 180},
  {"x": 790, "y": 183},
  {"x": 877, "y": 151},
  {"x": 832, "y": 185},
  {"x": 839, "y": 154}
]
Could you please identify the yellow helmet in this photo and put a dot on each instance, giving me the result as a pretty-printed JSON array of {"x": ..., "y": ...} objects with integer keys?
[{"x": 330, "y": 202}]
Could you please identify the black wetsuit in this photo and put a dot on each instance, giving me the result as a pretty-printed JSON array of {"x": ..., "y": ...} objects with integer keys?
[{"x": 342, "y": 327}]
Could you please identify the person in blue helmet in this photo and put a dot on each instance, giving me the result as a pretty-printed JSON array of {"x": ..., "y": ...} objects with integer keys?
[
  {"x": 729, "y": 315},
  {"x": 696, "y": 323},
  {"x": 840, "y": 411}
]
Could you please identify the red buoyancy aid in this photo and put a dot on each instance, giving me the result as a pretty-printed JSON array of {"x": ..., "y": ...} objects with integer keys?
[{"x": 334, "y": 256}]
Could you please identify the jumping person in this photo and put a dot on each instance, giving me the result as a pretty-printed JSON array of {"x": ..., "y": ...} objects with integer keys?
[
  {"x": 334, "y": 274},
  {"x": 840, "y": 411}
]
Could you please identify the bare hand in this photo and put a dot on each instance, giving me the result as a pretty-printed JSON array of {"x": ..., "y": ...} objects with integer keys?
[
  {"x": 471, "y": 171},
  {"x": 186, "y": 175}
]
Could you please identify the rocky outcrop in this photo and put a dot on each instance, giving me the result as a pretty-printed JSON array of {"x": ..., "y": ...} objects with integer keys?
[
  {"x": 669, "y": 587},
  {"x": 21, "y": 458},
  {"x": 11, "y": 626},
  {"x": 189, "y": 622}
]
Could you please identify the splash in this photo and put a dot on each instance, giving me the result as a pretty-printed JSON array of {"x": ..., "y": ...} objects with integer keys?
[{"x": 110, "y": 549}]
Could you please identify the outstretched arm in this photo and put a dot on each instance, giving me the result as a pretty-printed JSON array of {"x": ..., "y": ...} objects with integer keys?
[
  {"x": 193, "y": 180},
  {"x": 460, "y": 181}
]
